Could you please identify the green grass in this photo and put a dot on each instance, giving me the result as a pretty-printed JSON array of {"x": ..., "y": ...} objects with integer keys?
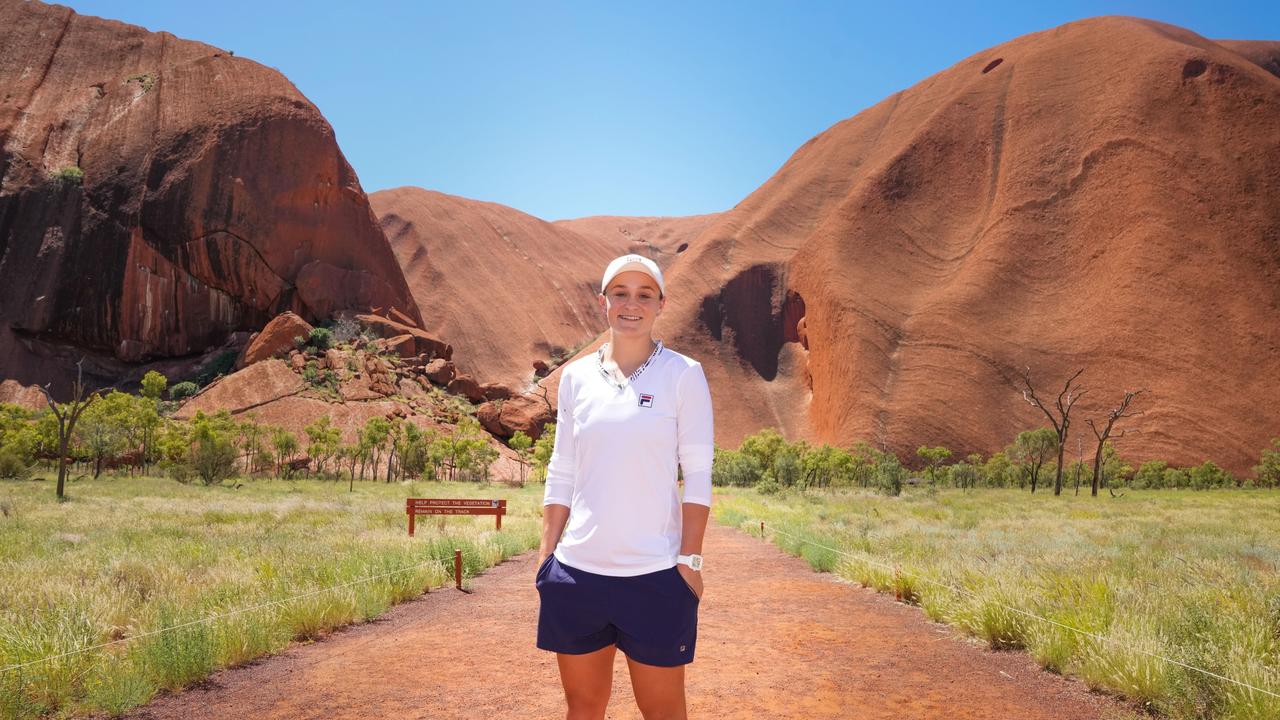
[
  {"x": 130, "y": 556},
  {"x": 1191, "y": 576}
]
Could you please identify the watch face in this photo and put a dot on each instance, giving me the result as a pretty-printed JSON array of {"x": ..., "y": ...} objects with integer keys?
[{"x": 695, "y": 562}]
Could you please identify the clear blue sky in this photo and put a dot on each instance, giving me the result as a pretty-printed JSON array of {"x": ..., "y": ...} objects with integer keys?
[{"x": 588, "y": 108}]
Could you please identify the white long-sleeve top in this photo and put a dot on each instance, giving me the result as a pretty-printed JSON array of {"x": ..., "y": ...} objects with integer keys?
[{"x": 615, "y": 457}]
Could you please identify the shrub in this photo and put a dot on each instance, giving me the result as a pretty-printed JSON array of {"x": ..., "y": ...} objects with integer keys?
[
  {"x": 213, "y": 454},
  {"x": 146, "y": 81},
  {"x": 1209, "y": 475},
  {"x": 768, "y": 486},
  {"x": 220, "y": 365},
  {"x": 734, "y": 468},
  {"x": 1151, "y": 474},
  {"x": 12, "y": 467},
  {"x": 890, "y": 474},
  {"x": 346, "y": 330},
  {"x": 69, "y": 176},
  {"x": 786, "y": 467},
  {"x": 320, "y": 338},
  {"x": 183, "y": 390},
  {"x": 153, "y": 384},
  {"x": 1268, "y": 469}
]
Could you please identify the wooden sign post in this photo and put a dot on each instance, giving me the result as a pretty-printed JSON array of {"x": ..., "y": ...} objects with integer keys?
[{"x": 444, "y": 506}]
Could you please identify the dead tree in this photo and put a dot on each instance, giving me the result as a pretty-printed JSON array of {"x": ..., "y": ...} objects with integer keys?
[
  {"x": 1121, "y": 411},
  {"x": 67, "y": 416},
  {"x": 1079, "y": 461},
  {"x": 1059, "y": 417}
]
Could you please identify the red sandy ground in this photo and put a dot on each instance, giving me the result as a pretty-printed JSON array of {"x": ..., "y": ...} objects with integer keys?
[{"x": 776, "y": 640}]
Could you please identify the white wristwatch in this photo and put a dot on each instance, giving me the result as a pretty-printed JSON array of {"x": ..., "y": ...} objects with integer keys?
[{"x": 693, "y": 561}]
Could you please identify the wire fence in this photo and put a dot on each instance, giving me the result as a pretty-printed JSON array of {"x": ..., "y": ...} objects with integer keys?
[
  {"x": 969, "y": 593},
  {"x": 764, "y": 528}
]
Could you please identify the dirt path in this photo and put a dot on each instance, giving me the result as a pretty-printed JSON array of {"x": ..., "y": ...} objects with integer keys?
[{"x": 775, "y": 640}]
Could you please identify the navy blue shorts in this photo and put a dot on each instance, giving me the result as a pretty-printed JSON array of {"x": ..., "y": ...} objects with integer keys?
[{"x": 653, "y": 618}]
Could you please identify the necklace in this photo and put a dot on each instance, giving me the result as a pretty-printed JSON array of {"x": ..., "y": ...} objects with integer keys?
[{"x": 609, "y": 377}]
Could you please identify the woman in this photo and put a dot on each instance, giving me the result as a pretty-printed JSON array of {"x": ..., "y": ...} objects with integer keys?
[{"x": 626, "y": 574}]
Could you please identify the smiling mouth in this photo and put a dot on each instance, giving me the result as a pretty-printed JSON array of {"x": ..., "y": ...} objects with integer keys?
[{"x": 628, "y": 317}]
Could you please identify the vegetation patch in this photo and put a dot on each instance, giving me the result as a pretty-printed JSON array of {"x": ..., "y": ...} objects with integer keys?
[
  {"x": 156, "y": 554},
  {"x": 1172, "y": 573}
]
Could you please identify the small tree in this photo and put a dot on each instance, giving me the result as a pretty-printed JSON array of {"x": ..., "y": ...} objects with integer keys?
[
  {"x": 374, "y": 437},
  {"x": 323, "y": 441},
  {"x": 1033, "y": 448},
  {"x": 890, "y": 474},
  {"x": 735, "y": 468},
  {"x": 413, "y": 451},
  {"x": 213, "y": 454},
  {"x": 67, "y": 415},
  {"x": 183, "y": 390},
  {"x": 1120, "y": 411},
  {"x": 1060, "y": 417},
  {"x": 249, "y": 437},
  {"x": 764, "y": 446},
  {"x": 1000, "y": 470},
  {"x": 786, "y": 466},
  {"x": 103, "y": 428},
  {"x": 933, "y": 457},
  {"x": 542, "y": 450},
  {"x": 285, "y": 444},
  {"x": 1267, "y": 471},
  {"x": 520, "y": 442},
  {"x": 153, "y": 385},
  {"x": 964, "y": 475}
]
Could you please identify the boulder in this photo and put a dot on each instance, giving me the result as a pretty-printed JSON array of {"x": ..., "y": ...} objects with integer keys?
[
  {"x": 411, "y": 389},
  {"x": 13, "y": 392},
  {"x": 440, "y": 371},
  {"x": 466, "y": 386},
  {"x": 406, "y": 346},
  {"x": 276, "y": 337},
  {"x": 336, "y": 360},
  {"x": 522, "y": 412},
  {"x": 257, "y": 384},
  {"x": 359, "y": 387},
  {"x": 424, "y": 342},
  {"x": 495, "y": 391}
]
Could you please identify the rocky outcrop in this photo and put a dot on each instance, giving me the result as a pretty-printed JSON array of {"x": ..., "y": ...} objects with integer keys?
[
  {"x": 392, "y": 331},
  {"x": 158, "y": 194},
  {"x": 1099, "y": 195},
  {"x": 277, "y": 337},
  {"x": 440, "y": 371},
  {"x": 13, "y": 392},
  {"x": 467, "y": 387},
  {"x": 525, "y": 413},
  {"x": 257, "y": 384},
  {"x": 504, "y": 287}
]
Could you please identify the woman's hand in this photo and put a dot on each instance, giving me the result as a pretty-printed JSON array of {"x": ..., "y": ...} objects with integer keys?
[
  {"x": 542, "y": 557},
  {"x": 693, "y": 577}
]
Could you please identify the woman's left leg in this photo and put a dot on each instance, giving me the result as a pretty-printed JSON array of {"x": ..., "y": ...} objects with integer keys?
[{"x": 659, "y": 690}]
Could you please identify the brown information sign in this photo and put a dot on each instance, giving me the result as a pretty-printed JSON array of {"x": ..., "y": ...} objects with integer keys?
[{"x": 454, "y": 506}]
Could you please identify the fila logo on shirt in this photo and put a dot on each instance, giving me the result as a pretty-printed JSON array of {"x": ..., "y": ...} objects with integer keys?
[{"x": 646, "y": 400}]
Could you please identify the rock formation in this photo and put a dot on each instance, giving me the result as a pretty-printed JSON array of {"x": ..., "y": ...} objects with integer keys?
[
  {"x": 661, "y": 238},
  {"x": 278, "y": 336},
  {"x": 505, "y": 288},
  {"x": 157, "y": 194},
  {"x": 13, "y": 392},
  {"x": 1099, "y": 195}
]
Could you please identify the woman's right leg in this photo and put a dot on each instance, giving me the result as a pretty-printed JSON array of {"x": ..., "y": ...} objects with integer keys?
[{"x": 587, "y": 680}]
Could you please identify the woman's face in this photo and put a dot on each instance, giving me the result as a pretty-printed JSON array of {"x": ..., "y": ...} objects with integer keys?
[{"x": 631, "y": 303}]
